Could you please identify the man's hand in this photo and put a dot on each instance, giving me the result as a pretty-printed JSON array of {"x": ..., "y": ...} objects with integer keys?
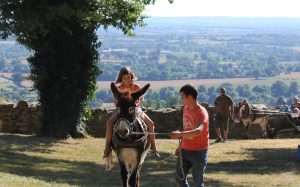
[{"x": 175, "y": 134}]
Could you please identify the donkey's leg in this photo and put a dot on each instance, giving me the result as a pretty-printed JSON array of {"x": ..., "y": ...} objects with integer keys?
[
  {"x": 247, "y": 132},
  {"x": 130, "y": 159},
  {"x": 136, "y": 175},
  {"x": 133, "y": 180},
  {"x": 124, "y": 174},
  {"x": 264, "y": 127}
]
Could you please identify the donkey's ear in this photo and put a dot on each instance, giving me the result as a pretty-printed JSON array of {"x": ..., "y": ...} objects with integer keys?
[
  {"x": 243, "y": 102},
  {"x": 115, "y": 90},
  {"x": 140, "y": 92}
]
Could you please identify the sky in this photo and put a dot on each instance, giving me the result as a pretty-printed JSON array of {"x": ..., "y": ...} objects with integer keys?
[{"x": 232, "y": 8}]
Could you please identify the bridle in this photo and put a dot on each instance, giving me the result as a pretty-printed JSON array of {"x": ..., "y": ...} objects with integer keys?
[{"x": 125, "y": 129}]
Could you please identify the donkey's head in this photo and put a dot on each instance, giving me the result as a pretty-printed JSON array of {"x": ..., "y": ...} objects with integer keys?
[
  {"x": 126, "y": 102},
  {"x": 237, "y": 111},
  {"x": 127, "y": 110}
]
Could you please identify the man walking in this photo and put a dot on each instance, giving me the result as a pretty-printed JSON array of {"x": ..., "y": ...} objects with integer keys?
[
  {"x": 223, "y": 112},
  {"x": 192, "y": 150}
]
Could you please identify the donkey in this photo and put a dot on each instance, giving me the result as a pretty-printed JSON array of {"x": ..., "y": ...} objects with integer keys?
[
  {"x": 130, "y": 139},
  {"x": 250, "y": 115}
]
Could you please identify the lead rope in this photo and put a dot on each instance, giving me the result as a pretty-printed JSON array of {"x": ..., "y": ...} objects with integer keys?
[{"x": 180, "y": 164}]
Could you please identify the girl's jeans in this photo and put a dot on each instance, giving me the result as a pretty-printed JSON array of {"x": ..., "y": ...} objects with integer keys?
[{"x": 196, "y": 160}]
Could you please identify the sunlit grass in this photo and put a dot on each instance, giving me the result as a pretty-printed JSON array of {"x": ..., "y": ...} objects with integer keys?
[{"x": 32, "y": 161}]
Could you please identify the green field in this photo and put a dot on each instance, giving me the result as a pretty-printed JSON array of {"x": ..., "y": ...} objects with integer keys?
[
  {"x": 156, "y": 85},
  {"x": 31, "y": 161}
]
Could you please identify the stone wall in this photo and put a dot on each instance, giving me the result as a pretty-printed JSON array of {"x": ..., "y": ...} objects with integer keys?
[
  {"x": 164, "y": 120},
  {"x": 19, "y": 118},
  {"x": 25, "y": 119}
]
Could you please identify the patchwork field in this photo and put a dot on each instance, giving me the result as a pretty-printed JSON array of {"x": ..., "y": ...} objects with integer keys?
[
  {"x": 34, "y": 162},
  {"x": 156, "y": 85}
]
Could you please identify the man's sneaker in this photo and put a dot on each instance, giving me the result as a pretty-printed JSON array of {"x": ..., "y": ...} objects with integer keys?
[
  {"x": 224, "y": 141},
  {"x": 218, "y": 140}
]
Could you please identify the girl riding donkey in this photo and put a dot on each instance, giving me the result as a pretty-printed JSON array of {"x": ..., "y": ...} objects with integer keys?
[{"x": 126, "y": 80}]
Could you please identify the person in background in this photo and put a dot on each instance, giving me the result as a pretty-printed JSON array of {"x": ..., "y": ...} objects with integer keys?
[
  {"x": 223, "y": 112},
  {"x": 284, "y": 107},
  {"x": 295, "y": 106},
  {"x": 126, "y": 83},
  {"x": 192, "y": 150}
]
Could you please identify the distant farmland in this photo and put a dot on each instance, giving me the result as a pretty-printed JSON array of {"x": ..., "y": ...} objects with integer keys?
[{"x": 156, "y": 85}]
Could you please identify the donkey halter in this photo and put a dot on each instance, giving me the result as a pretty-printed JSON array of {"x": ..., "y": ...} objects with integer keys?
[{"x": 123, "y": 125}]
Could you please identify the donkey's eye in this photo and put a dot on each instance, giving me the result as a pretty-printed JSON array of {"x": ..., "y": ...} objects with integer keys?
[{"x": 131, "y": 110}]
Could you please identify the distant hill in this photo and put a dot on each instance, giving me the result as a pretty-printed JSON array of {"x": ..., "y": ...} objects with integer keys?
[{"x": 183, "y": 49}]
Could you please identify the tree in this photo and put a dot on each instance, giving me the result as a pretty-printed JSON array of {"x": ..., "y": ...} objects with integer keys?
[
  {"x": 166, "y": 92},
  {"x": 243, "y": 90},
  {"x": 202, "y": 97},
  {"x": 293, "y": 88},
  {"x": 17, "y": 78},
  {"x": 278, "y": 89},
  {"x": 61, "y": 35},
  {"x": 172, "y": 100},
  {"x": 257, "y": 73},
  {"x": 2, "y": 63},
  {"x": 202, "y": 89},
  {"x": 260, "y": 89}
]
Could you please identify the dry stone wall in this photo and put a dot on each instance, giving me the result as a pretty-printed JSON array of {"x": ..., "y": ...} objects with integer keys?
[
  {"x": 19, "y": 118},
  {"x": 25, "y": 119}
]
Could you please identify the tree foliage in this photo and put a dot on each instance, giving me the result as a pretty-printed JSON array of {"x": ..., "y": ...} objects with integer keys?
[{"x": 61, "y": 34}]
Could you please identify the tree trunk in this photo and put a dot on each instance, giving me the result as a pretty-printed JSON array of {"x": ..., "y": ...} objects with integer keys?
[{"x": 64, "y": 73}]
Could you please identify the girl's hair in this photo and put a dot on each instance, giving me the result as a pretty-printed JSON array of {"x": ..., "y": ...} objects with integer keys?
[{"x": 125, "y": 71}]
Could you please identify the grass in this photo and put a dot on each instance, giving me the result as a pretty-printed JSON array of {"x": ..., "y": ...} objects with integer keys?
[{"x": 32, "y": 161}]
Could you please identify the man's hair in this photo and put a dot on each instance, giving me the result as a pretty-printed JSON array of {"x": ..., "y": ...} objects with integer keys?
[
  {"x": 188, "y": 89},
  {"x": 222, "y": 90}
]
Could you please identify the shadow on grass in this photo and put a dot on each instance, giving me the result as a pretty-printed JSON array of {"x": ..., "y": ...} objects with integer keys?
[
  {"x": 158, "y": 174},
  {"x": 58, "y": 171},
  {"x": 27, "y": 143},
  {"x": 86, "y": 173},
  {"x": 81, "y": 173},
  {"x": 265, "y": 161}
]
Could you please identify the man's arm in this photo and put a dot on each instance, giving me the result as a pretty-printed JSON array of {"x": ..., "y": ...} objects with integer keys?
[
  {"x": 230, "y": 107},
  {"x": 216, "y": 105},
  {"x": 190, "y": 133},
  {"x": 231, "y": 111}
]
